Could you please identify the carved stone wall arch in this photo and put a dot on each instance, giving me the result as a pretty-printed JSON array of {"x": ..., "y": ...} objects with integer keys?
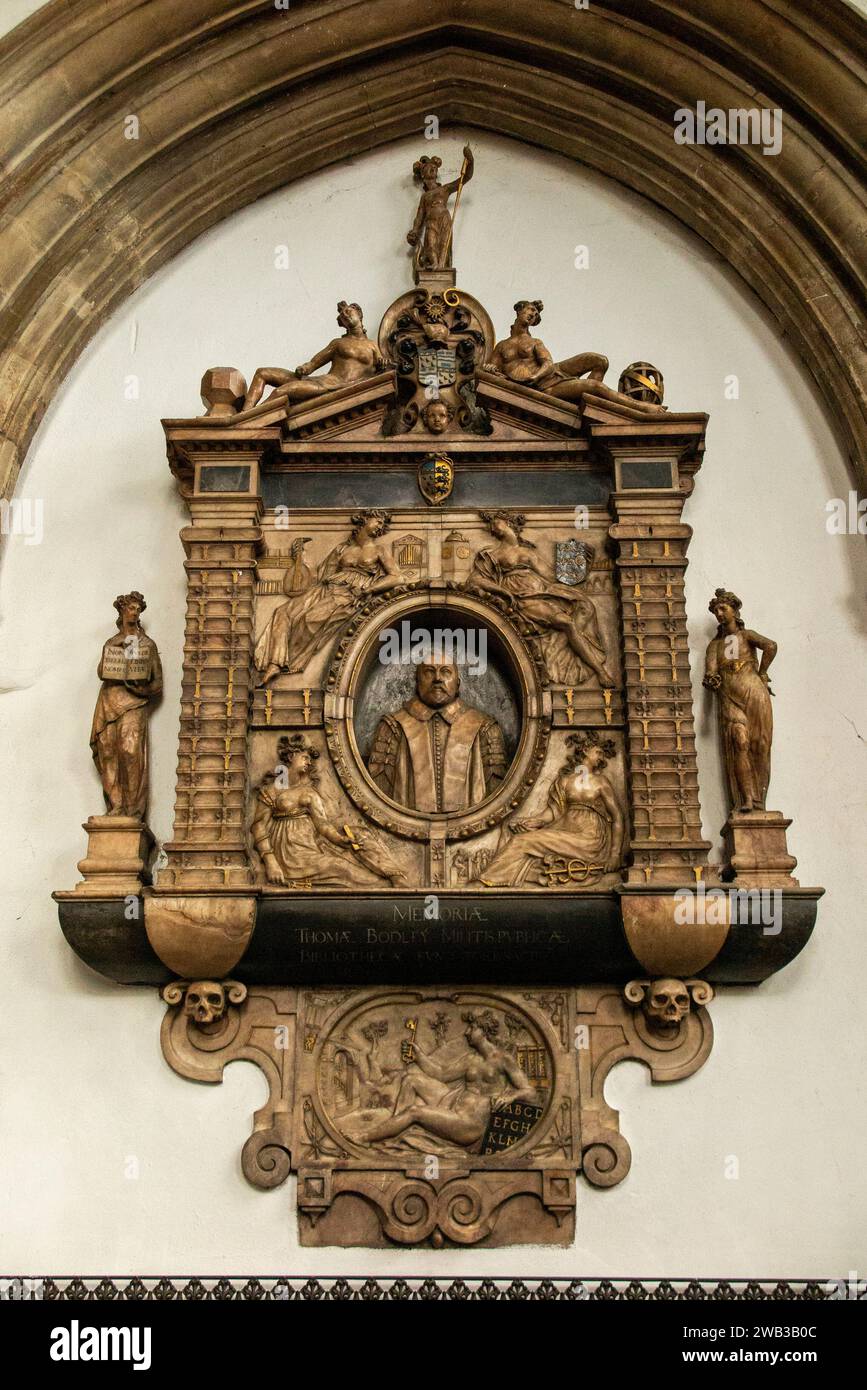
[{"x": 88, "y": 215}]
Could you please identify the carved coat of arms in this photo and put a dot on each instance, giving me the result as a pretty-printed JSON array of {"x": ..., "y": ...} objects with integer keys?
[
  {"x": 436, "y": 478},
  {"x": 572, "y": 561},
  {"x": 437, "y": 367}
]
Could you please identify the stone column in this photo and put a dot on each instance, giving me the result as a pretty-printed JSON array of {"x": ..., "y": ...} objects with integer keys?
[
  {"x": 209, "y": 846},
  {"x": 652, "y": 541}
]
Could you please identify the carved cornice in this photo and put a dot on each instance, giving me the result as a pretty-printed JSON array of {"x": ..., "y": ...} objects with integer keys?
[{"x": 89, "y": 215}]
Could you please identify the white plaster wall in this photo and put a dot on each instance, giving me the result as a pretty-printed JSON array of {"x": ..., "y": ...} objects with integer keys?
[
  {"x": 14, "y": 12},
  {"x": 87, "y": 1099}
]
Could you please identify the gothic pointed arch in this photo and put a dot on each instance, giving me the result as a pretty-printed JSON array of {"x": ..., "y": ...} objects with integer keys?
[{"x": 235, "y": 99}]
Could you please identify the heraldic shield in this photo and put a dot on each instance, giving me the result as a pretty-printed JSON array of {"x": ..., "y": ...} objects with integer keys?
[
  {"x": 436, "y": 478},
  {"x": 572, "y": 561},
  {"x": 437, "y": 366}
]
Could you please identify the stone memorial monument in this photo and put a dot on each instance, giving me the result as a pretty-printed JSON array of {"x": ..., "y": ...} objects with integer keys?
[{"x": 437, "y": 897}]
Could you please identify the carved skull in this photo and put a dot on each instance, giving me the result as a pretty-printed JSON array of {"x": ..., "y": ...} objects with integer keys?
[
  {"x": 205, "y": 1002},
  {"x": 666, "y": 1003}
]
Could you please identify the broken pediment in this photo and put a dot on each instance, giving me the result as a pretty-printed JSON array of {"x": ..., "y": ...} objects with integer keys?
[{"x": 434, "y": 376}]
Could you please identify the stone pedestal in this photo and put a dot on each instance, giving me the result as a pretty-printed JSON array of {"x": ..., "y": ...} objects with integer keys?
[
  {"x": 118, "y": 853},
  {"x": 756, "y": 850},
  {"x": 437, "y": 280}
]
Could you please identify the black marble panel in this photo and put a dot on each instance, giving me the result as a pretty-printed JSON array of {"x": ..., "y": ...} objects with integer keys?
[
  {"x": 645, "y": 473},
  {"x": 224, "y": 477},
  {"x": 473, "y": 488},
  {"x": 528, "y": 939}
]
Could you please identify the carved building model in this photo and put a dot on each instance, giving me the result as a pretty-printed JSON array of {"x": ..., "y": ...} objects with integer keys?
[{"x": 437, "y": 815}]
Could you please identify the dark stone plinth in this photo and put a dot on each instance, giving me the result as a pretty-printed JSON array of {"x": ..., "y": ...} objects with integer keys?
[
  {"x": 389, "y": 940},
  {"x": 753, "y": 951},
  {"x": 105, "y": 938},
  {"x": 501, "y": 939}
]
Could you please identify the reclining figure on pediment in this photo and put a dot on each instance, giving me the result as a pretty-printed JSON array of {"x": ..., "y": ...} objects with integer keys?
[
  {"x": 353, "y": 357},
  {"x": 525, "y": 360}
]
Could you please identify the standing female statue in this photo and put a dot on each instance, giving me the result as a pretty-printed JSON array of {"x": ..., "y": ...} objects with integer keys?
[
  {"x": 746, "y": 718},
  {"x": 132, "y": 678},
  {"x": 526, "y": 361},
  {"x": 309, "y": 618},
  {"x": 431, "y": 232},
  {"x": 563, "y": 617}
]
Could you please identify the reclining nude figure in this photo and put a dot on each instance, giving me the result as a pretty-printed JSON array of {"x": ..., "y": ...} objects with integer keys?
[
  {"x": 352, "y": 357},
  {"x": 526, "y": 361},
  {"x": 455, "y": 1101}
]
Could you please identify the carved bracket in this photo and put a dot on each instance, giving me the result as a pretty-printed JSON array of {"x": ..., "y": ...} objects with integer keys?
[
  {"x": 613, "y": 1027},
  {"x": 440, "y": 1116}
]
